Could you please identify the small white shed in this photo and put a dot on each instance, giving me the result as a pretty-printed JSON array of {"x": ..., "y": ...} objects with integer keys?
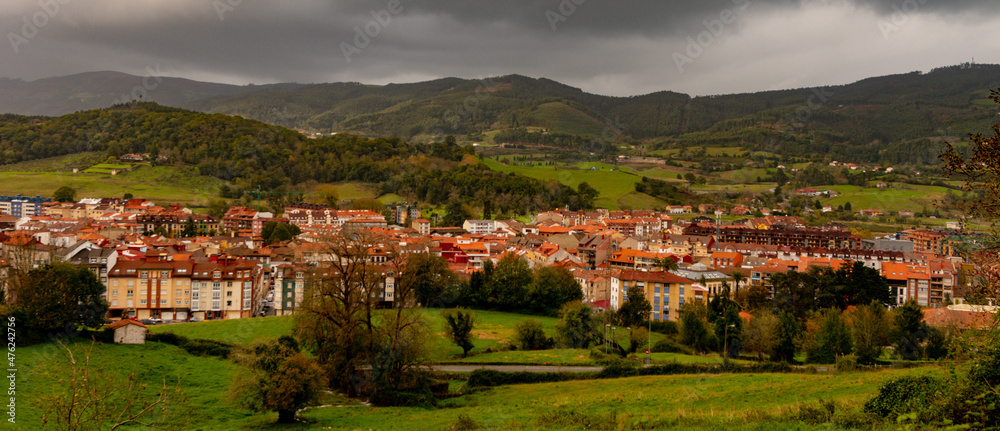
[{"x": 128, "y": 331}]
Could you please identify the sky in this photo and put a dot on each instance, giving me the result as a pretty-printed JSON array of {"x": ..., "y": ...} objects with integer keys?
[{"x": 618, "y": 48}]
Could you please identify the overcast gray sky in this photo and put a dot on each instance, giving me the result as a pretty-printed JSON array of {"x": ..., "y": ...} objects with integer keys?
[{"x": 608, "y": 47}]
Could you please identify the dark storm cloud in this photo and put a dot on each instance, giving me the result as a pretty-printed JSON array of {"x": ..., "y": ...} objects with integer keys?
[{"x": 611, "y": 47}]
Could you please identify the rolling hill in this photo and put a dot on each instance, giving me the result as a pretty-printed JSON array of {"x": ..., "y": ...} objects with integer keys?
[{"x": 890, "y": 119}]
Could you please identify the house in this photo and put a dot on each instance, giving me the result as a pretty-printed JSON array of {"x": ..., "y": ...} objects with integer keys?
[
  {"x": 479, "y": 226},
  {"x": 423, "y": 226},
  {"x": 128, "y": 331}
]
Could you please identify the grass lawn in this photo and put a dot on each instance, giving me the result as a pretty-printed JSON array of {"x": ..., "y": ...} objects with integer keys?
[
  {"x": 741, "y": 401},
  {"x": 636, "y": 200},
  {"x": 239, "y": 331}
]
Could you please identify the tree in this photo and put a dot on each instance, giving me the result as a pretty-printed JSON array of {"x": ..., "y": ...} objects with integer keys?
[
  {"x": 908, "y": 330},
  {"x": 587, "y": 194},
  {"x": 64, "y": 194},
  {"x": 430, "y": 276},
  {"x": 367, "y": 204},
  {"x": 508, "y": 284},
  {"x": 458, "y": 325},
  {"x": 58, "y": 297},
  {"x": 529, "y": 335},
  {"x": 276, "y": 377},
  {"x": 189, "y": 230},
  {"x": 576, "y": 327},
  {"x": 456, "y": 213},
  {"x": 862, "y": 285},
  {"x": 738, "y": 278},
  {"x": 760, "y": 334},
  {"x": 668, "y": 263},
  {"x": 551, "y": 288},
  {"x": 694, "y": 329},
  {"x": 127, "y": 196},
  {"x": 635, "y": 310},
  {"x": 788, "y": 334},
  {"x": 276, "y": 232},
  {"x": 978, "y": 167},
  {"x": 871, "y": 325},
  {"x": 832, "y": 338},
  {"x": 338, "y": 321},
  {"x": 728, "y": 329}
]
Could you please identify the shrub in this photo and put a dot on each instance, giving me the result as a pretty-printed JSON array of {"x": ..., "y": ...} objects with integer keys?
[
  {"x": 665, "y": 327},
  {"x": 846, "y": 363},
  {"x": 529, "y": 335},
  {"x": 667, "y": 345},
  {"x": 197, "y": 347},
  {"x": 491, "y": 378},
  {"x": 901, "y": 395}
]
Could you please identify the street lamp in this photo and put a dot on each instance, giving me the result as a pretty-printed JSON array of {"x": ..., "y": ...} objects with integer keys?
[
  {"x": 725, "y": 343},
  {"x": 607, "y": 331},
  {"x": 649, "y": 340}
]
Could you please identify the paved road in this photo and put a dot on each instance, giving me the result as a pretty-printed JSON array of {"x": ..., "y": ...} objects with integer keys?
[{"x": 529, "y": 368}]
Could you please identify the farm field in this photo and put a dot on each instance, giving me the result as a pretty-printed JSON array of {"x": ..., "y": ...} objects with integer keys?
[{"x": 163, "y": 185}]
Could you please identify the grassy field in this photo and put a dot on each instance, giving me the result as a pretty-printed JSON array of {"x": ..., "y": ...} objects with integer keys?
[
  {"x": 743, "y": 401},
  {"x": 612, "y": 185},
  {"x": 562, "y": 118},
  {"x": 494, "y": 330},
  {"x": 636, "y": 200},
  {"x": 160, "y": 184},
  {"x": 897, "y": 197},
  {"x": 699, "y": 402},
  {"x": 57, "y": 164},
  {"x": 42, "y": 370}
]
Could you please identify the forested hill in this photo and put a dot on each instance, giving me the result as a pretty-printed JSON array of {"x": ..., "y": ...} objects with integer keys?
[
  {"x": 896, "y": 119},
  {"x": 249, "y": 154},
  {"x": 94, "y": 90}
]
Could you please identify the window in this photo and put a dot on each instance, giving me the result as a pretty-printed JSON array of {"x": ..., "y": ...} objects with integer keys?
[
  {"x": 163, "y": 301},
  {"x": 216, "y": 295},
  {"x": 143, "y": 274},
  {"x": 114, "y": 293},
  {"x": 142, "y": 302},
  {"x": 177, "y": 302},
  {"x": 178, "y": 292},
  {"x": 229, "y": 303},
  {"x": 114, "y": 282},
  {"x": 164, "y": 274},
  {"x": 142, "y": 283},
  {"x": 130, "y": 283},
  {"x": 128, "y": 293},
  {"x": 185, "y": 302},
  {"x": 229, "y": 294},
  {"x": 114, "y": 302},
  {"x": 185, "y": 292}
]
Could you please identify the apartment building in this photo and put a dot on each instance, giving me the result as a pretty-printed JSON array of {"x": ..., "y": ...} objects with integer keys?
[{"x": 666, "y": 292}]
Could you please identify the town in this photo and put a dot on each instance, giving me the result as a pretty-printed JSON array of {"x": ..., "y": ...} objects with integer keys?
[{"x": 172, "y": 265}]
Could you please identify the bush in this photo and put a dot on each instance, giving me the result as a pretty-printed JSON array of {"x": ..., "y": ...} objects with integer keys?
[
  {"x": 665, "y": 327},
  {"x": 529, "y": 335},
  {"x": 491, "y": 378},
  {"x": 197, "y": 347},
  {"x": 667, "y": 345},
  {"x": 847, "y": 363},
  {"x": 901, "y": 395}
]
